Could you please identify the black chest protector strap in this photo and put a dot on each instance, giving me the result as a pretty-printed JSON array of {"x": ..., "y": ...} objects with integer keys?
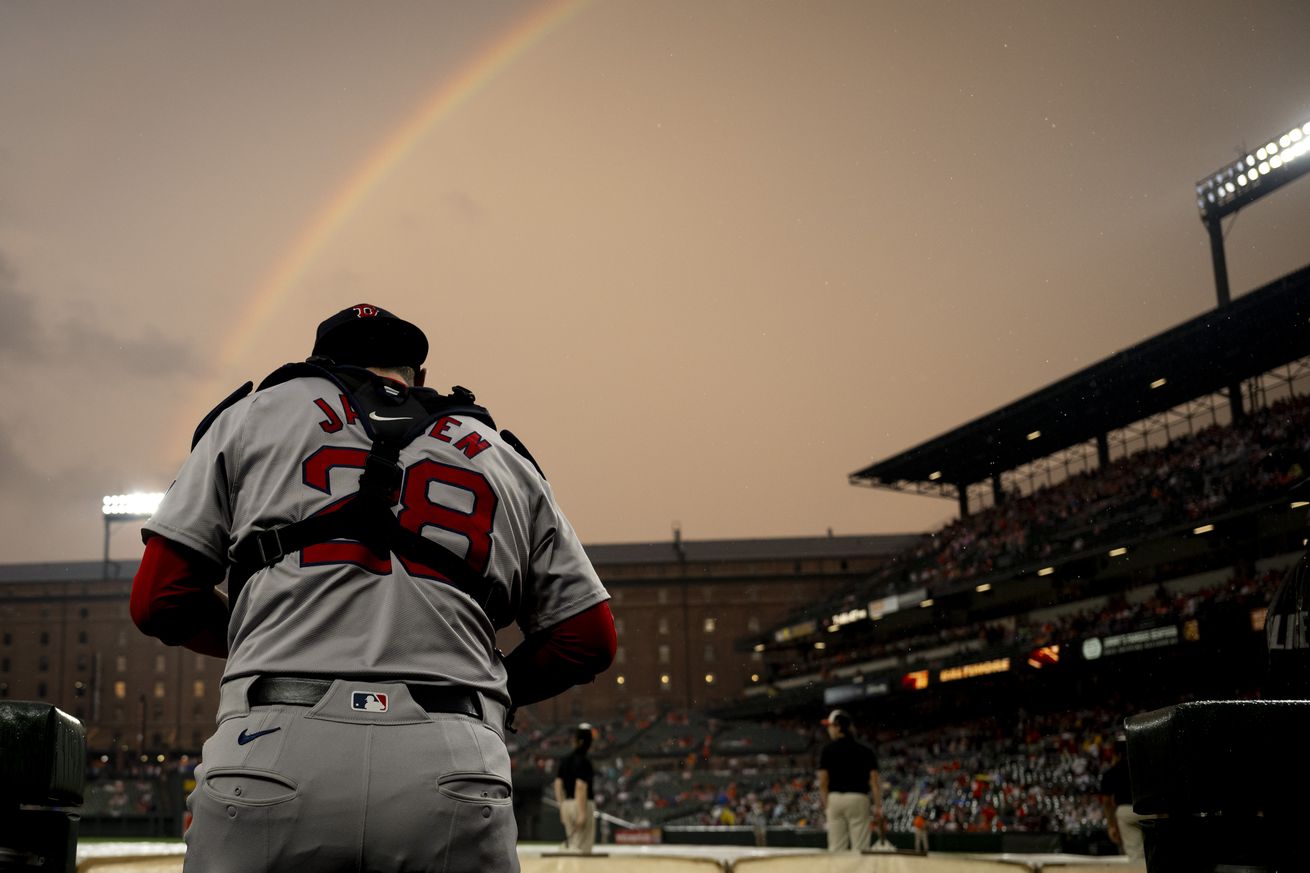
[{"x": 393, "y": 416}]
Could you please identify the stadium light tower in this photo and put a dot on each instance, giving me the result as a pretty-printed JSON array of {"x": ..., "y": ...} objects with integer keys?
[
  {"x": 1228, "y": 189},
  {"x": 137, "y": 506},
  {"x": 1250, "y": 177}
]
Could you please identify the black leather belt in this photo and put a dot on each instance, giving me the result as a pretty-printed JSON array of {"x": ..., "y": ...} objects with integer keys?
[{"x": 303, "y": 691}]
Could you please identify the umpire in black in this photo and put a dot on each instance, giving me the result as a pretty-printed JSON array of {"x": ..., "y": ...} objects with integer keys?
[{"x": 848, "y": 786}]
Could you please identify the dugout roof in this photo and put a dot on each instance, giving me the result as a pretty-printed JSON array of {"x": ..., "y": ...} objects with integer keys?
[{"x": 1255, "y": 333}]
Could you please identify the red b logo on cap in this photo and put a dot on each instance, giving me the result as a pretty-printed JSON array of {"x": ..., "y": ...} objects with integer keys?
[{"x": 365, "y": 310}]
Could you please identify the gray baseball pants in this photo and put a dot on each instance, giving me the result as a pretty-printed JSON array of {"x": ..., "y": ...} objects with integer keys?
[{"x": 335, "y": 788}]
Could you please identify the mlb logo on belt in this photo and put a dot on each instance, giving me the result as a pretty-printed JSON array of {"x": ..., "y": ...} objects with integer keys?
[{"x": 368, "y": 701}]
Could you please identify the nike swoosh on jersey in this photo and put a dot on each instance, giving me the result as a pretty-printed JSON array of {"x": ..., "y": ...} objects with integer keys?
[
  {"x": 376, "y": 417},
  {"x": 244, "y": 737}
]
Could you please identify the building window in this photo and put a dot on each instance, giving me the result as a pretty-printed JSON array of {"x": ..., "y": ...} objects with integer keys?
[
  {"x": 665, "y": 683},
  {"x": 45, "y": 638},
  {"x": 81, "y": 663},
  {"x": 84, "y": 612},
  {"x": 40, "y": 689},
  {"x": 757, "y": 656},
  {"x": 121, "y": 663},
  {"x": 620, "y": 656},
  {"x": 198, "y": 688},
  {"x": 664, "y": 626},
  {"x": 120, "y": 689},
  {"x": 662, "y": 595},
  {"x": 81, "y": 637},
  {"x": 200, "y": 663},
  {"x": 4, "y": 665},
  {"x": 161, "y": 664},
  {"x": 709, "y": 625},
  {"x": 159, "y": 690},
  {"x": 616, "y": 597},
  {"x": 43, "y": 664},
  {"x": 4, "y": 689},
  {"x": 709, "y": 654},
  {"x": 9, "y": 639},
  {"x": 664, "y": 654},
  {"x": 753, "y": 624},
  {"x": 122, "y": 638},
  {"x": 79, "y": 689}
]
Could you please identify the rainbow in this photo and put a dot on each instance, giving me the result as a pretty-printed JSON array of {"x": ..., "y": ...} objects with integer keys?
[{"x": 393, "y": 149}]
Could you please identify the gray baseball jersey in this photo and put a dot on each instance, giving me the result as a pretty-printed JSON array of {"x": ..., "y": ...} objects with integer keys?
[{"x": 296, "y": 449}]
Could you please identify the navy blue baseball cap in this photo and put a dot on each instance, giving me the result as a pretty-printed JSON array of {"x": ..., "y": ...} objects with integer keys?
[{"x": 369, "y": 336}]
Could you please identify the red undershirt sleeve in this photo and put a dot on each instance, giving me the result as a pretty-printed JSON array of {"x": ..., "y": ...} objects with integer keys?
[
  {"x": 569, "y": 653},
  {"x": 174, "y": 598}
]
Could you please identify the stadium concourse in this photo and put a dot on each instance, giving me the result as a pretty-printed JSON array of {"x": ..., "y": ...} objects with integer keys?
[{"x": 166, "y": 858}]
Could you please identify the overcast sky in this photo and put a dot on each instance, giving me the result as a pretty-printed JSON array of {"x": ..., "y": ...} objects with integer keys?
[{"x": 705, "y": 259}]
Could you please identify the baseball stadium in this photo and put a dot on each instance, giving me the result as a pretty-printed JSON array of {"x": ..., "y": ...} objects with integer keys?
[{"x": 1106, "y": 592}]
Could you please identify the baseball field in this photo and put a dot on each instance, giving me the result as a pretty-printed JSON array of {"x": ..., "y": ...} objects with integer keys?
[{"x": 166, "y": 857}]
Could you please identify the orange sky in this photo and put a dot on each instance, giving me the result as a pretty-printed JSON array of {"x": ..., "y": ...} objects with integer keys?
[{"x": 705, "y": 259}]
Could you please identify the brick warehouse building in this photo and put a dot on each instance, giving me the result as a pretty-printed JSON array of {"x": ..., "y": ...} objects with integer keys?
[{"x": 681, "y": 607}]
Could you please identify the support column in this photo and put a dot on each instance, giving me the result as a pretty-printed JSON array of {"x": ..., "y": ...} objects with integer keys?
[{"x": 1214, "y": 227}]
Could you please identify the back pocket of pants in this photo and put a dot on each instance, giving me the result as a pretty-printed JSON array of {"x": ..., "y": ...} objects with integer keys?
[
  {"x": 484, "y": 788},
  {"x": 249, "y": 787}
]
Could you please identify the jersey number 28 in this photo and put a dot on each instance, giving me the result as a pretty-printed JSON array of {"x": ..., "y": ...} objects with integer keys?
[{"x": 419, "y": 509}]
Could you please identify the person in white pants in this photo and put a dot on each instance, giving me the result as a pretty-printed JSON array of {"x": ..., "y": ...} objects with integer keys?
[{"x": 848, "y": 786}]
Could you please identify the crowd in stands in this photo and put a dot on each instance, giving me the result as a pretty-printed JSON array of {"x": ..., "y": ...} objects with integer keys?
[
  {"x": 120, "y": 798},
  {"x": 114, "y": 790},
  {"x": 1193, "y": 477}
]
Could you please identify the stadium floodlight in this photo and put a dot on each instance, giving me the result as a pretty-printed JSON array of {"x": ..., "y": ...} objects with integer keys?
[
  {"x": 935, "y": 475},
  {"x": 1046, "y": 571},
  {"x": 1114, "y": 553},
  {"x": 983, "y": 588},
  {"x": 924, "y": 604},
  {"x": 1159, "y": 383},
  {"x": 126, "y": 507},
  {"x": 1253, "y": 175},
  {"x": 1035, "y": 435},
  {"x": 138, "y": 504},
  {"x": 1297, "y": 504},
  {"x": 1203, "y": 529}
]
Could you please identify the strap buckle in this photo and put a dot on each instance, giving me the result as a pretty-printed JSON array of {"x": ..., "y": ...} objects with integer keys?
[{"x": 267, "y": 544}]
